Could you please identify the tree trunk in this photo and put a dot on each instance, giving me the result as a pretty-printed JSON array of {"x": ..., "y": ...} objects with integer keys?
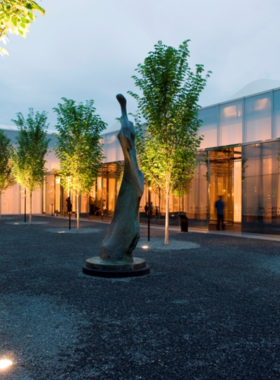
[
  {"x": 166, "y": 237},
  {"x": 179, "y": 205},
  {"x": 159, "y": 202},
  {"x": 78, "y": 211},
  {"x": 25, "y": 205},
  {"x": 30, "y": 208}
]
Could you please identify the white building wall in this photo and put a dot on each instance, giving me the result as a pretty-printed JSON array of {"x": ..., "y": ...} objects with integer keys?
[
  {"x": 112, "y": 148},
  {"x": 249, "y": 119},
  {"x": 12, "y": 201},
  {"x": 244, "y": 120}
]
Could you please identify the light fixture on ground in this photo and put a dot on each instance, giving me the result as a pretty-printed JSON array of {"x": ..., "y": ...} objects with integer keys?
[
  {"x": 145, "y": 246},
  {"x": 5, "y": 363}
]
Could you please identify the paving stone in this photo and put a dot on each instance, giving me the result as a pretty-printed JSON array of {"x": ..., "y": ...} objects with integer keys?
[{"x": 207, "y": 312}]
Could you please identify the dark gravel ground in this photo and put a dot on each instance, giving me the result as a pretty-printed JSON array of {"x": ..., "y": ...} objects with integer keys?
[{"x": 206, "y": 313}]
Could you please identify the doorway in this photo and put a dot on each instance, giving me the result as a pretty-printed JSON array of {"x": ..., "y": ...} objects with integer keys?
[{"x": 226, "y": 181}]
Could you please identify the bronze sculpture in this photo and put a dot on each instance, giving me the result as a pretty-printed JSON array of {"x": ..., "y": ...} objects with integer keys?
[{"x": 116, "y": 259}]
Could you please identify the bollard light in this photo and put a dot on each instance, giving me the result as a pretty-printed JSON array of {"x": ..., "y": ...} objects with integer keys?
[{"x": 5, "y": 363}]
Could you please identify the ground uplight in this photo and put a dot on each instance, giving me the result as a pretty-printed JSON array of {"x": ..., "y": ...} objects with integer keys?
[
  {"x": 5, "y": 363},
  {"x": 145, "y": 246},
  {"x": 61, "y": 232}
]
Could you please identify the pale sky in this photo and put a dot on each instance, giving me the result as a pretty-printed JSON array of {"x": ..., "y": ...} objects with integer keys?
[{"x": 88, "y": 49}]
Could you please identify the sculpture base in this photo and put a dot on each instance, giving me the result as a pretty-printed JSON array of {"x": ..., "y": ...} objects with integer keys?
[{"x": 99, "y": 268}]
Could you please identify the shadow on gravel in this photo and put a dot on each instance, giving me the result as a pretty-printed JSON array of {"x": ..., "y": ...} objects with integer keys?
[{"x": 207, "y": 312}]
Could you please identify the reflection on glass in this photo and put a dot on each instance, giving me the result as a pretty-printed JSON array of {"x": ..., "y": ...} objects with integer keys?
[
  {"x": 261, "y": 191},
  {"x": 258, "y": 118},
  {"x": 208, "y": 127},
  {"x": 221, "y": 169},
  {"x": 276, "y": 110},
  {"x": 237, "y": 191},
  {"x": 57, "y": 195},
  {"x": 196, "y": 199},
  {"x": 112, "y": 149},
  {"x": 230, "y": 127},
  {"x": 50, "y": 193}
]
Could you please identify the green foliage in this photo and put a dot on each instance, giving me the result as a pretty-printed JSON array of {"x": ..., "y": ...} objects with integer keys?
[
  {"x": 15, "y": 18},
  {"x": 6, "y": 178},
  {"x": 32, "y": 144},
  {"x": 78, "y": 148},
  {"x": 167, "y": 143},
  {"x": 182, "y": 187}
]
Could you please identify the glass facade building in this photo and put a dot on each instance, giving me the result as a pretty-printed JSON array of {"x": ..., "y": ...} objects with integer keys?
[{"x": 239, "y": 159}]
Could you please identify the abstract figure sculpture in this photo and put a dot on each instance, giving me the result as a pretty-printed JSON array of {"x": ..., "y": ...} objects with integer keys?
[
  {"x": 116, "y": 259},
  {"x": 123, "y": 234}
]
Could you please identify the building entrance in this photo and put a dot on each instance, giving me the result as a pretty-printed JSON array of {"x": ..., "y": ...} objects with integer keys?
[{"x": 226, "y": 181}]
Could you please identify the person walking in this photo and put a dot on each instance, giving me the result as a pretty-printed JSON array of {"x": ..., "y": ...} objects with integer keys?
[
  {"x": 69, "y": 205},
  {"x": 220, "y": 206},
  {"x": 146, "y": 208},
  {"x": 157, "y": 212}
]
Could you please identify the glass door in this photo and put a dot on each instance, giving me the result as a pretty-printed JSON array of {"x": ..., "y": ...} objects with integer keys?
[{"x": 225, "y": 182}]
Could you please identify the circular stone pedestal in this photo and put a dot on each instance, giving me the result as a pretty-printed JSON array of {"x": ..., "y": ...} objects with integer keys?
[{"x": 99, "y": 268}]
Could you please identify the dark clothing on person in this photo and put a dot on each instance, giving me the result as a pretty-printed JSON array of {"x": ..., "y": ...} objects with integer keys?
[
  {"x": 219, "y": 205},
  {"x": 69, "y": 204},
  {"x": 146, "y": 208},
  {"x": 220, "y": 222},
  {"x": 157, "y": 212}
]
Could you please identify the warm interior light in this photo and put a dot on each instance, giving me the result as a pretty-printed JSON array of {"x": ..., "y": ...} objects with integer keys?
[
  {"x": 230, "y": 111},
  {"x": 57, "y": 180},
  {"x": 260, "y": 104},
  {"x": 150, "y": 188},
  {"x": 145, "y": 246},
  {"x": 4, "y": 363}
]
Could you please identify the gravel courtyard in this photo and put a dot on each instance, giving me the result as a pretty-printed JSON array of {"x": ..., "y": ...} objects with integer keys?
[{"x": 211, "y": 311}]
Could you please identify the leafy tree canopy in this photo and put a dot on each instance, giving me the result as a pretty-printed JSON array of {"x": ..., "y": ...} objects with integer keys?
[
  {"x": 32, "y": 144},
  {"x": 78, "y": 147},
  {"x": 167, "y": 118},
  {"x": 168, "y": 141},
  {"x": 15, "y": 18}
]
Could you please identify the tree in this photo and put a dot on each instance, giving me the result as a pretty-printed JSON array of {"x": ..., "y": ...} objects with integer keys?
[
  {"x": 181, "y": 188},
  {"x": 168, "y": 141},
  {"x": 78, "y": 147},
  {"x": 6, "y": 178},
  {"x": 15, "y": 18},
  {"x": 28, "y": 158}
]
